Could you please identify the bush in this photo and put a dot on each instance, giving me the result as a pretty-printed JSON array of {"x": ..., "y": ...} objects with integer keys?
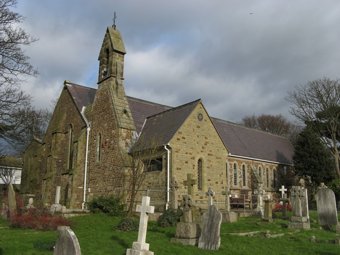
[
  {"x": 39, "y": 220},
  {"x": 127, "y": 224},
  {"x": 169, "y": 218},
  {"x": 108, "y": 205},
  {"x": 279, "y": 207}
]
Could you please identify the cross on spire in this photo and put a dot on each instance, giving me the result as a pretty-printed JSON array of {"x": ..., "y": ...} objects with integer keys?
[{"x": 114, "y": 20}]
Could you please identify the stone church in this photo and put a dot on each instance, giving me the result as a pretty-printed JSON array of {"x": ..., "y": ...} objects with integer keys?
[{"x": 95, "y": 135}]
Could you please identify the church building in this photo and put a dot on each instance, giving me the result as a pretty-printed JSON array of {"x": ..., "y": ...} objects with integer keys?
[{"x": 98, "y": 138}]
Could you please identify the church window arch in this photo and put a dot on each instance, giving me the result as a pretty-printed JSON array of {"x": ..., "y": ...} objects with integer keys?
[
  {"x": 227, "y": 172},
  {"x": 267, "y": 176},
  {"x": 200, "y": 174},
  {"x": 244, "y": 175},
  {"x": 70, "y": 148},
  {"x": 98, "y": 147},
  {"x": 235, "y": 174},
  {"x": 260, "y": 172},
  {"x": 274, "y": 177}
]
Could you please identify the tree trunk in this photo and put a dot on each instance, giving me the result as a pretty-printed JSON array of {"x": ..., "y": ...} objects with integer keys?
[{"x": 12, "y": 205}]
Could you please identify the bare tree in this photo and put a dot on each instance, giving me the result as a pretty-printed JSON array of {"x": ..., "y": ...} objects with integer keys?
[
  {"x": 14, "y": 66},
  {"x": 275, "y": 124},
  {"x": 317, "y": 104}
]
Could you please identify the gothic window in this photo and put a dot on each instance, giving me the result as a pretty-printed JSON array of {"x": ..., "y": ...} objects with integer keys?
[
  {"x": 275, "y": 177},
  {"x": 70, "y": 148},
  {"x": 260, "y": 172},
  {"x": 98, "y": 147},
  {"x": 227, "y": 172},
  {"x": 235, "y": 174},
  {"x": 267, "y": 176},
  {"x": 199, "y": 174},
  {"x": 244, "y": 175},
  {"x": 155, "y": 164}
]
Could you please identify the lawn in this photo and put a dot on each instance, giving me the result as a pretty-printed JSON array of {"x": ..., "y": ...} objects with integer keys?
[{"x": 97, "y": 235}]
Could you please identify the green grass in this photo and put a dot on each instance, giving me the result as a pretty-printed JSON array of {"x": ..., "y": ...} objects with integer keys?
[{"x": 97, "y": 235}]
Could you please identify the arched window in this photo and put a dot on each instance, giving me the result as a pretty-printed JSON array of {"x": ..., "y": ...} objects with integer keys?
[
  {"x": 260, "y": 172},
  {"x": 70, "y": 148},
  {"x": 227, "y": 172},
  {"x": 274, "y": 177},
  {"x": 235, "y": 174},
  {"x": 200, "y": 174},
  {"x": 98, "y": 147},
  {"x": 244, "y": 175},
  {"x": 267, "y": 176}
]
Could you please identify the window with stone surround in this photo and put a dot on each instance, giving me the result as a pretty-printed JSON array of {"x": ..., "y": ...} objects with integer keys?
[
  {"x": 98, "y": 147},
  {"x": 267, "y": 176},
  {"x": 200, "y": 174},
  {"x": 235, "y": 174},
  {"x": 155, "y": 164},
  {"x": 70, "y": 148},
  {"x": 227, "y": 172},
  {"x": 260, "y": 172},
  {"x": 244, "y": 175},
  {"x": 274, "y": 177}
]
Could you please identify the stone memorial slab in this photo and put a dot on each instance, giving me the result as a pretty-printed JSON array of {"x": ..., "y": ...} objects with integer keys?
[
  {"x": 268, "y": 210},
  {"x": 141, "y": 247},
  {"x": 326, "y": 207},
  {"x": 299, "y": 202},
  {"x": 210, "y": 237},
  {"x": 67, "y": 243}
]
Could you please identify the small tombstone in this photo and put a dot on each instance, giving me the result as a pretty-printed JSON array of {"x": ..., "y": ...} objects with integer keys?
[
  {"x": 189, "y": 183},
  {"x": 67, "y": 243},
  {"x": 326, "y": 207},
  {"x": 187, "y": 230},
  {"x": 268, "y": 210},
  {"x": 210, "y": 237},
  {"x": 4, "y": 211},
  {"x": 299, "y": 201},
  {"x": 30, "y": 203},
  {"x": 141, "y": 247},
  {"x": 56, "y": 207},
  {"x": 229, "y": 216}
]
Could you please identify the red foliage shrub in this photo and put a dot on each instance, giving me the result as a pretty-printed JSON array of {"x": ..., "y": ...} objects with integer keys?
[
  {"x": 278, "y": 207},
  {"x": 39, "y": 220}
]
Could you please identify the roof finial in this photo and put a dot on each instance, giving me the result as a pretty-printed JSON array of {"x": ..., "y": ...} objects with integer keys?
[{"x": 114, "y": 20}]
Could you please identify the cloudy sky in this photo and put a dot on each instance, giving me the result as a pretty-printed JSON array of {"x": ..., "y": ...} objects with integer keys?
[{"x": 240, "y": 57}]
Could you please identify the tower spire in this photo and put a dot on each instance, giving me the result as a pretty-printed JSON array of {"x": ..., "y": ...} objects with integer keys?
[{"x": 114, "y": 20}]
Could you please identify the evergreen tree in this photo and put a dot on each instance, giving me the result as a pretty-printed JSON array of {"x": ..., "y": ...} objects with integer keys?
[{"x": 312, "y": 158}]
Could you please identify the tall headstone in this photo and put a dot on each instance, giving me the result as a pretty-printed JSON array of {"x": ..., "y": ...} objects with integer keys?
[
  {"x": 260, "y": 192},
  {"x": 326, "y": 207},
  {"x": 268, "y": 210},
  {"x": 141, "y": 247},
  {"x": 210, "y": 236},
  {"x": 174, "y": 188},
  {"x": 67, "y": 243},
  {"x": 299, "y": 202},
  {"x": 190, "y": 182},
  {"x": 188, "y": 229},
  {"x": 56, "y": 207}
]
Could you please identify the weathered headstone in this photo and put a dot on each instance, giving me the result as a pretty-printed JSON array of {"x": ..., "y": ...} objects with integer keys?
[
  {"x": 67, "y": 243},
  {"x": 4, "y": 211},
  {"x": 188, "y": 229},
  {"x": 326, "y": 207},
  {"x": 141, "y": 247},
  {"x": 30, "y": 203},
  {"x": 210, "y": 237},
  {"x": 299, "y": 202},
  {"x": 260, "y": 192},
  {"x": 229, "y": 216},
  {"x": 189, "y": 183},
  {"x": 174, "y": 187},
  {"x": 12, "y": 204},
  {"x": 268, "y": 210},
  {"x": 56, "y": 207}
]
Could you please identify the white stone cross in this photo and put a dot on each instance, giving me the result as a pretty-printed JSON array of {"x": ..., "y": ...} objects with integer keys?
[
  {"x": 144, "y": 209},
  {"x": 210, "y": 193},
  {"x": 283, "y": 191}
]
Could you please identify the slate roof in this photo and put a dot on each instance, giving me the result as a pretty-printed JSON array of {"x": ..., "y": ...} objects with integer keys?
[
  {"x": 164, "y": 121},
  {"x": 160, "y": 128}
]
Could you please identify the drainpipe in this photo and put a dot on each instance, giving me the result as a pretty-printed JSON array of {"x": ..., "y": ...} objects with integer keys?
[
  {"x": 168, "y": 150},
  {"x": 88, "y": 128}
]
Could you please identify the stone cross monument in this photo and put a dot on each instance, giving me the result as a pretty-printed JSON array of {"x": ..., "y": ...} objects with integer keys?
[
  {"x": 141, "y": 247},
  {"x": 282, "y": 190},
  {"x": 299, "y": 201},
  {"x": 210, "y": 193},
  {"x": 189, "y": 183}
]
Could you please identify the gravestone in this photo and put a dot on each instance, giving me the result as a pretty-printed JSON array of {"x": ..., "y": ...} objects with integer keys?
[
  {"x": 12, "y": 204},
  {"x": 56, "y": 207},
  {"x": 268, "y": 210},
  {"x": 299, "y": 202},
  {"x": 30, "y": 203},
  {"x": 326, "y": 207},
  {"x": 189, "y": 183},
  {"x": 4, "y": 211},
  {"x": 210, "y": 236},
  {"x": 284, "y": 201},
  {"x": 260, "y": 192},
  {"x": 141, "y": 247},
  {"x": 174, "y": 187},
  {"x": 229, "y": 216},
  {"x": 67, "y": 243},
  {"x": 282, "y": 190},
  {"x": 188, "y": 229}
]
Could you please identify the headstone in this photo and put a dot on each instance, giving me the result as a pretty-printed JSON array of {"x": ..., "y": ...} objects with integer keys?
[
  {"x": 141, "y": 247},
  {"x": 299, "y": 202},
  {"x": 282, "y": 190},
  {"x": 56, "y": 207},
  {"x": 30, "y": 203},
  {"x": 189, "y": 183},
  {"x": 326, "y": 207},
  {"x": 260, "y": 192},
  {"x": 188, "y": 229},
  {"x": 12, "y": 204},
  {"x": 4, "y": 211},
  {"x": 268, "y": 210},
  {"x": 229, "y": 216},
  {"x": 210, "y": 237},
  {"x": 174, "y": 188},
  {"x": 210, "y": 193},
  {"x": 67, "y": 243}
]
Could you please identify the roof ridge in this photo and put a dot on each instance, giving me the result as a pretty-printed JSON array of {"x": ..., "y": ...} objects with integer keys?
[
  {"x": 147, "y": 101},
  {"x": 66, "y": 82},
  {"x": 175, "y": 108}
]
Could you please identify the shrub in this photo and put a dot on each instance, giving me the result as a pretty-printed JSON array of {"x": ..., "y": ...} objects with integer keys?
[
  {"x": 279, "y": 207},
  {"x": 39, "y": 220},
  {"x": 109, "y": 205},
  {"x": 127, "y": 224},
  {"x": 169, "y": 218}
]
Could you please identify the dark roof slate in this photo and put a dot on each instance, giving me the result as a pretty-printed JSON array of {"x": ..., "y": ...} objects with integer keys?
[
  {"x": 164, "y": 121},
  {"x": 160, "y": 128}
]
